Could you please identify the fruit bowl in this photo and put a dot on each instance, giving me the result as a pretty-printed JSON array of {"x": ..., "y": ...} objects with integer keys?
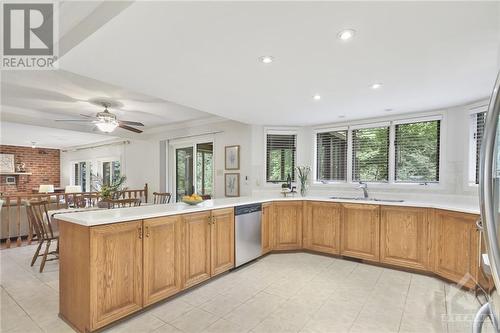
[{"x": 192, "y": 200}]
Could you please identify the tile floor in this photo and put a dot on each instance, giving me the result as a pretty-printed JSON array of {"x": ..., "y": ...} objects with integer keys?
[{"x": 292, "y": 292}]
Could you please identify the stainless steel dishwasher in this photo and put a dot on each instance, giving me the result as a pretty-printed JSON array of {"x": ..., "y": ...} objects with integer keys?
[{"x": 247, "y": 233}]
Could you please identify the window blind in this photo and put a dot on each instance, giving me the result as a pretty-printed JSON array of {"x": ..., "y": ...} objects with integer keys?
[
  {"x": 280, "y": 157},
  {"x": 331, "y": 156},
  {"x": 370, "y": 154},
  {"x": 479, "y": 119},
  {"x": 417, "y": 152}
]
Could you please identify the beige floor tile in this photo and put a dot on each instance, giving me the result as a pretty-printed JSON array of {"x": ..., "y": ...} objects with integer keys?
[
  {"x": 279, "y": 293},
  {"x": 171, "y": 310},
  {"x": 194, "y": 321},
  {"x": 167, "y": 328},
  {"x": 144, "y": 322},
  {"x": 220, "y": 305},
  {"x": 224, "y": 326}
]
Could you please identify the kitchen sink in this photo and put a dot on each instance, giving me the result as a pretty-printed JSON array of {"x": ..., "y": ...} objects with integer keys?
[{"x": 367, "y": 199}]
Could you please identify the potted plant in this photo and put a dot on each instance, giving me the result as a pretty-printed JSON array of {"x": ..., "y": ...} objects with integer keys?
[
  {"x": 109, "y": 191},
  {"x": 303, "y": 174}
]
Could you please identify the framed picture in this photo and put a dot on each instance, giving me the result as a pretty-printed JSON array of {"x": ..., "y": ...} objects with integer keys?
[
  {"x": 6, "y": 163},
  {"x": 232, "y": 157},
  {"x": 232, "y": 185}
]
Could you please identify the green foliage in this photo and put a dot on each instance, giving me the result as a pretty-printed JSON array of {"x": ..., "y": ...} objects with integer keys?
[
  {"x": 417, "y": 152},
  {"x": 108, "y": 191},
  {"x": 371, "y": 154},
  {"x": 280, "y": 165}
]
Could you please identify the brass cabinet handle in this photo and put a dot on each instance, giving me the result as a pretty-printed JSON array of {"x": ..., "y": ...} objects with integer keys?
[
  {"x": 147, "y": 231},
  {"x": 213, "y": 220},
  {"x": 139, "y": 231}
]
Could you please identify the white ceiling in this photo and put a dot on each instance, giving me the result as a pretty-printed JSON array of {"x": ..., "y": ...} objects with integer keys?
[
  {"x": 44, "y": 96},
  {"x": 205, "y": 55},
  {"x": 44, "y": 137}
]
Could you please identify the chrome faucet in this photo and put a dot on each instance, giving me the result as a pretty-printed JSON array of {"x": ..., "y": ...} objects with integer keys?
[{"x": 364, "y": 187}]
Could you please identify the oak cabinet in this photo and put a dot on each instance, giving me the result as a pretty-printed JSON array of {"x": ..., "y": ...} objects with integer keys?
[
  {"x": 222, "y": 236},
  {"x": 456, "y": 246},
  {"x": 162, "y": 258},
  {"x": 196, "y": 247},
  {"x": 115, "y": 272},
  {"x": 322, "y": 227},
  {"x": 360, "y": 231},
  {"x": 267, "y": 235},
  {"x": 404, "y": 237},
  {"x": 288, "y": 225}
]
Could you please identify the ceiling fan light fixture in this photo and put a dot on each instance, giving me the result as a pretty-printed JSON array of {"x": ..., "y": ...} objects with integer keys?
[{"x": 107, "y": 126}]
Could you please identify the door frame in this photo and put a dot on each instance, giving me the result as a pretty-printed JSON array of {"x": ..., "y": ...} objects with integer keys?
[{"x": 173, "y": 145}]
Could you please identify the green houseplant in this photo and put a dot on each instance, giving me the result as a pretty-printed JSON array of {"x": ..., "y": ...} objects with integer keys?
[{"x": 110, "y": 191}]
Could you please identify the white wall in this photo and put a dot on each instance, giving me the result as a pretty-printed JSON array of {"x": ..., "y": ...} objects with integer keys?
[
  {"x": 224, "y": 133},
  {"x": 139, "y": 162},
  {"x": 454, "y": 155}
]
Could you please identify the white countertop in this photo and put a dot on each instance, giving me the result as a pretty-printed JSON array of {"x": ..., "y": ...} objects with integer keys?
[{"x": 107, "y": 216}]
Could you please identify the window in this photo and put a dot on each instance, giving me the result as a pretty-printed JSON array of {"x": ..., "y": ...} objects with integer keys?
[
  {"x": 331, "y": 158},
  {"x": 389, "y": 152},
  {"x": 81, "y": 175},
  {"x": 478, "y": 120},
  {"x": 110, "y": 172},
  {"x": 204, "y": 168},
  {"x": 370, "y": 154},
  {"x": 417, "y": 152},
  {"x": 280, "y": 157}
]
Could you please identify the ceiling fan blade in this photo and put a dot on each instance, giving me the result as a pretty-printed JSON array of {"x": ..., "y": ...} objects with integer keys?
[
  {"x": 133, "y": 123},
  {"x": 76, "y": 120},
  {"x": 129, "y": 128}
]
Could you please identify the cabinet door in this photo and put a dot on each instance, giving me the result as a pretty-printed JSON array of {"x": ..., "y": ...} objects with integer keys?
[
  {"x": 360, "y": 231},
  {"x": 322, "y": 227},
  {"x": 404, "y": 236},
  {"x": 456, "y": 250},
  {"x": 196, "y": 248},
  {"x": 267, "y": 234},
  {"x": 222, "y": 240},
  {"x": 288, "y": 223},
  {"x": 115, "y": 271},
  {"x": 162, "y": 258}
]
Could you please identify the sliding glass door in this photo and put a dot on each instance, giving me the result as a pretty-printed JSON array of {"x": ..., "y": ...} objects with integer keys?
[{"x": 194, "y": 169}]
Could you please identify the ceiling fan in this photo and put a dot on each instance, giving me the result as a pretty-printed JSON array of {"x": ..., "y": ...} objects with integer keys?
[{"x": 107, "y": 122}]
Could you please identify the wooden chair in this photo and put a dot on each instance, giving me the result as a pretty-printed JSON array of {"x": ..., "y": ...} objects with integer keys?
[
  {"x": 91, "y": 199},
  {"x": 161, "y": 197},
  {"x": 121, "y": 203},
  {"x": 39, "y": 219}
]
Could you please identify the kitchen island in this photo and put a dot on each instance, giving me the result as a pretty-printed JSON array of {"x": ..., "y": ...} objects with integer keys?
[{"x": 117, "y": 262}]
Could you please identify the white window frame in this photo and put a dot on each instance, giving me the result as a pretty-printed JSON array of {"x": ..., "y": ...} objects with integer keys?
[
  {"x": 392, "y": 149},
  {"x": 279, "y": 131},
  {"x": 472, "y": 149},
  {"x": 315, "y": 154}
]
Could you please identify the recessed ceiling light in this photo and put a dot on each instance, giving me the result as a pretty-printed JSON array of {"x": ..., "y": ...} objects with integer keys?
[
  {"x": 346, "y": 34},
  {"x": 316, "y": 97},
  {"x": 376, "y": 86},
  {"x": 266, "y": 59}
]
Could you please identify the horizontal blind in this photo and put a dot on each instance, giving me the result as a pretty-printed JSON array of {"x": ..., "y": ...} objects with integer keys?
[
  {"x": 417, "y": 152},
  {"x": 479, "y": 119},
  {"x": 331, "y": 156},
  {"x": 280, "y": 157},
  {"x": 370, "y": 154}
]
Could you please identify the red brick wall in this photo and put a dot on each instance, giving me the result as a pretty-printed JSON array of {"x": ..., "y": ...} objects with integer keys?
[{"x": 44, "y": 164}]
